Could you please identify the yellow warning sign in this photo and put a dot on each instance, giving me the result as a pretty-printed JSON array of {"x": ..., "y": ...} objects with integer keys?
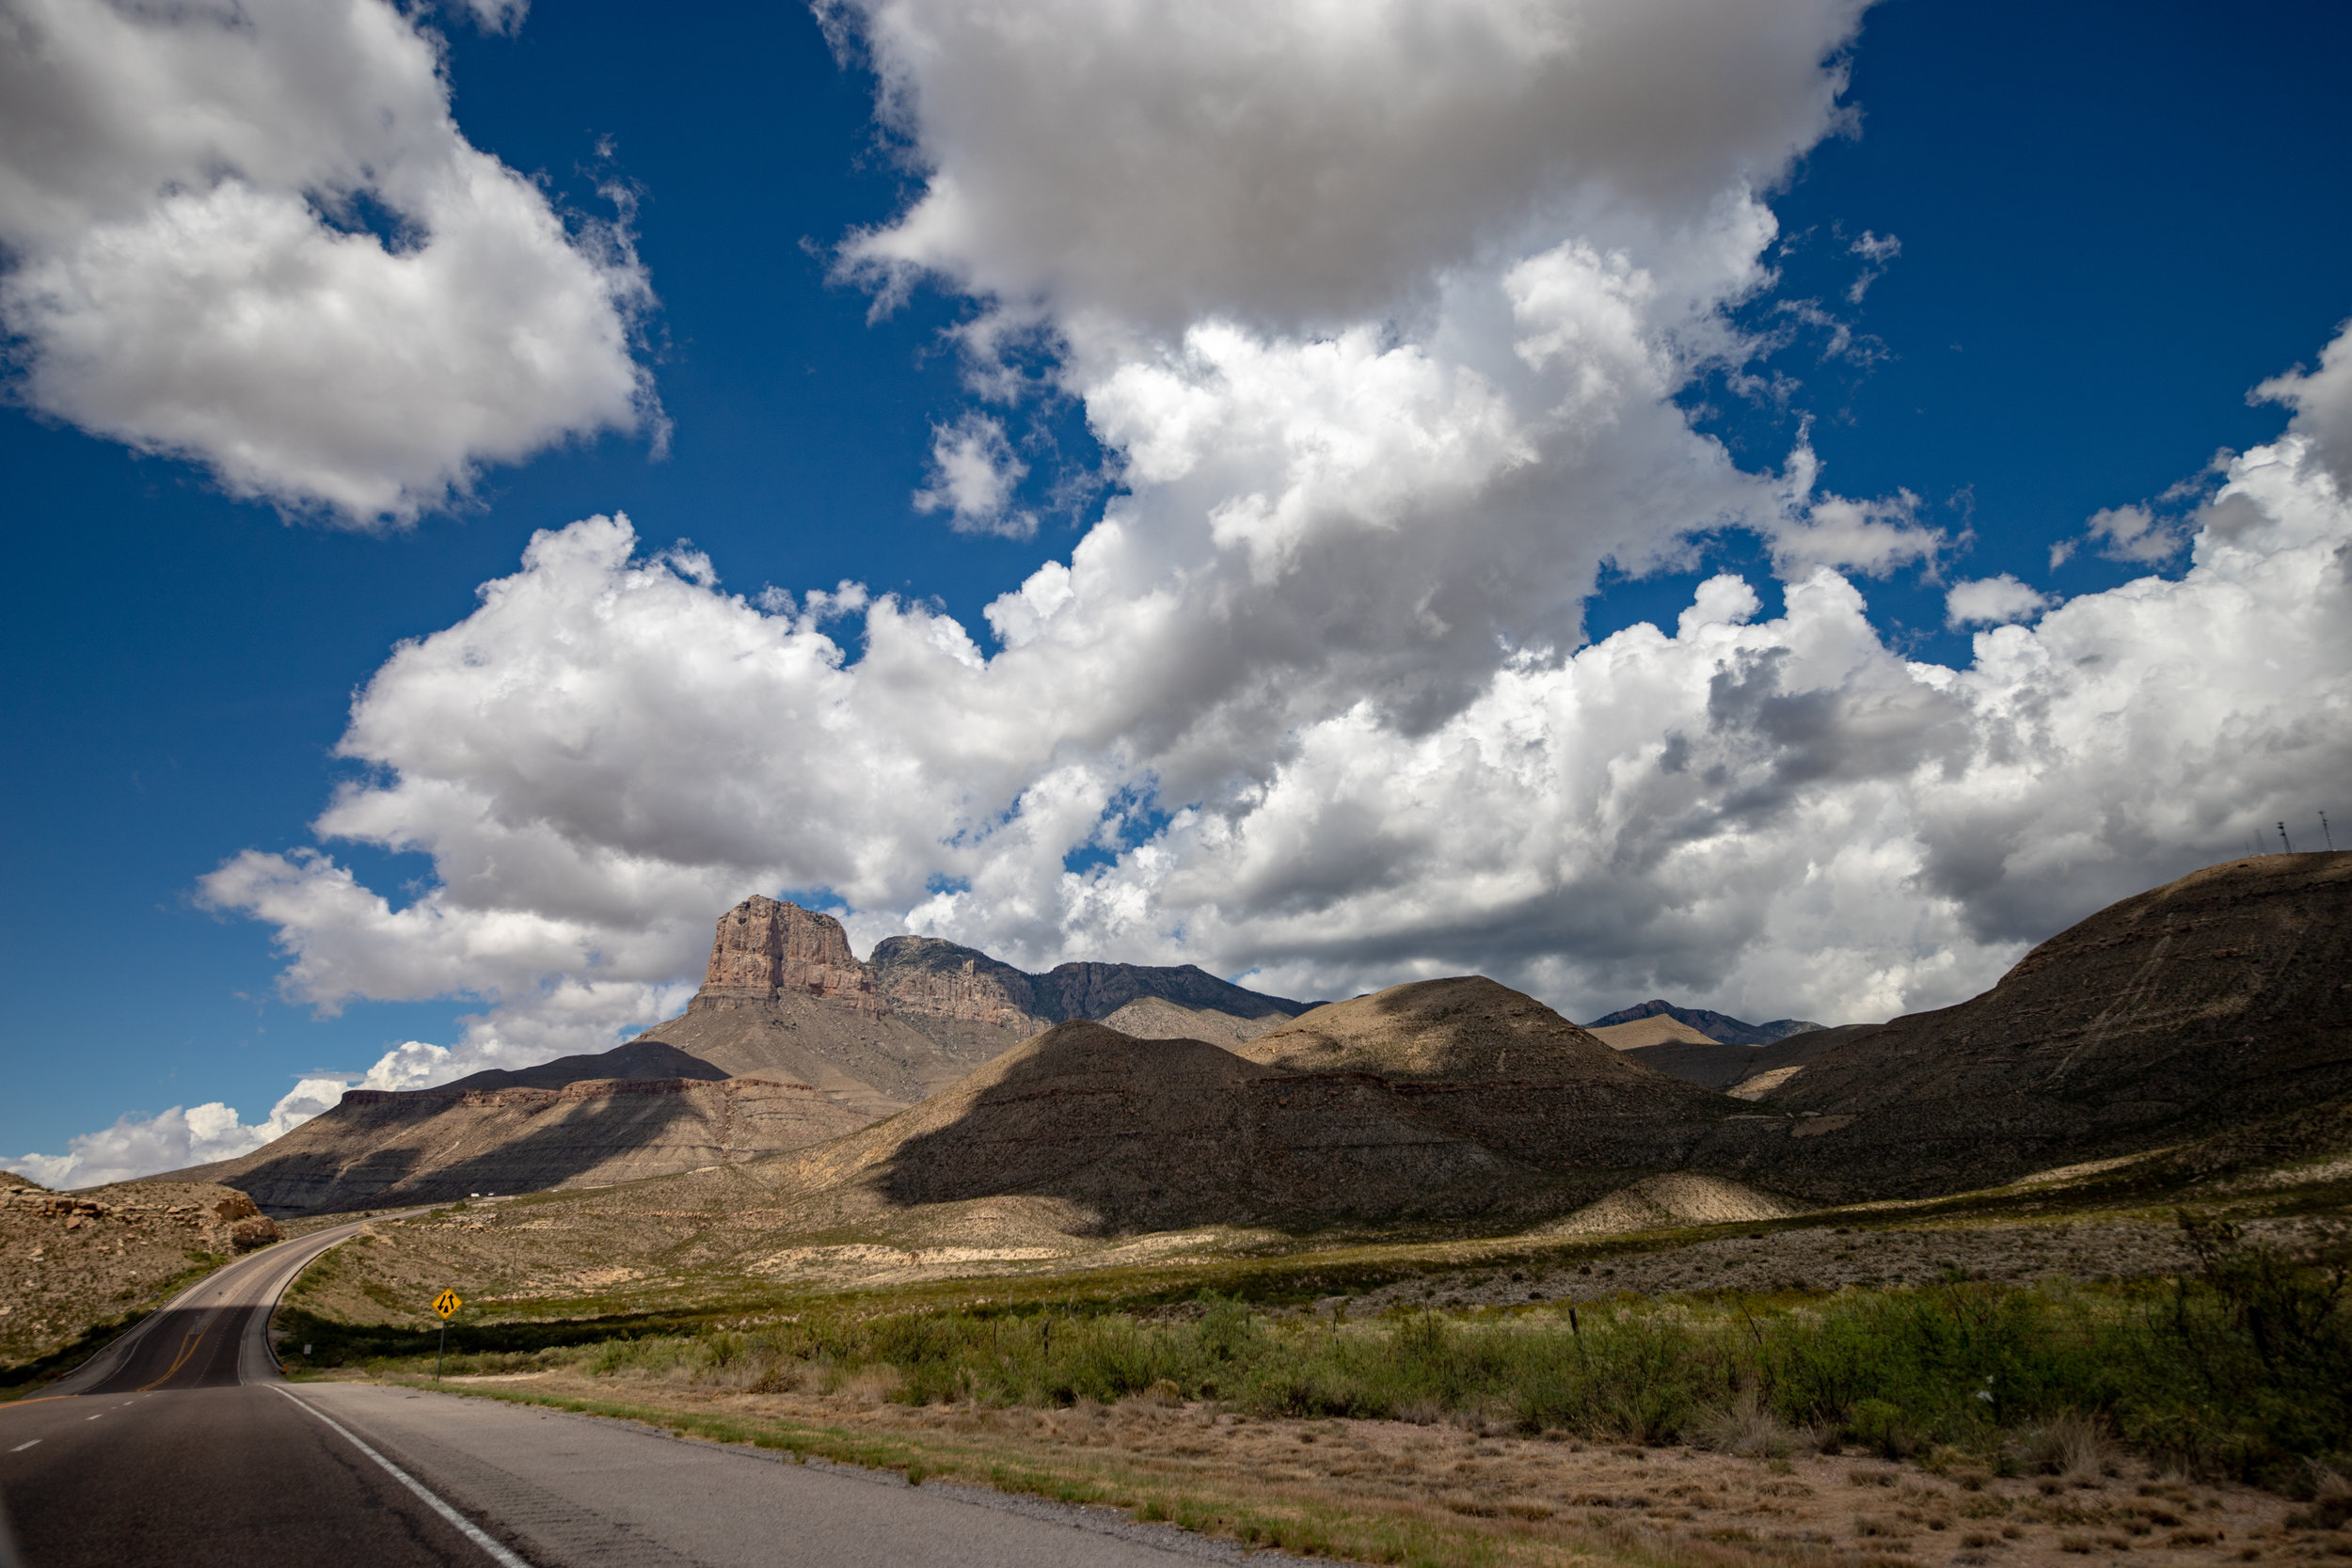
[{"x": 447, "y": 1303}]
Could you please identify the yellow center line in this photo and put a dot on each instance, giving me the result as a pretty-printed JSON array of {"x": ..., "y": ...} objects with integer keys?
[{"x": 188, "y": 1342}]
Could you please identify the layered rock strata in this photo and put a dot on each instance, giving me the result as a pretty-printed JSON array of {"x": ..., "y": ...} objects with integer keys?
[
  {"x": 765, "y": 949},
  {"x": 2201, "y": 1008},
  {"x": 791, "y": 1040},
  {"x": 381, "y": 1149}
]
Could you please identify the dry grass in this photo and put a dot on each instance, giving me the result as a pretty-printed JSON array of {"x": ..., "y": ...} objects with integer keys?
[{"x": 1448, "y": 1493}]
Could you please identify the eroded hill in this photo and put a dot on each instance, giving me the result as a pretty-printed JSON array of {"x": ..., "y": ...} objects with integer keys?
[
  {"x": 792, "y": 1040},
  {"x": 2214, "y": 1005}
]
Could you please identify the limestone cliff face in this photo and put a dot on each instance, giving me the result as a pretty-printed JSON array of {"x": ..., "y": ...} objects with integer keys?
[
  {"x": 765, "y": 949},
  {"x": 930, "y": 978}
]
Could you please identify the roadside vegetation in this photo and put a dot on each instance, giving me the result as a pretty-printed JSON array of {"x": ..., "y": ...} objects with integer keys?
[{"x": 2240, "y": 1368}]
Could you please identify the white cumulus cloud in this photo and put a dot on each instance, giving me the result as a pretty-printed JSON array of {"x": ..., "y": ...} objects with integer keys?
[
  {"x": 172, "y": 1139},
  {"x": 1381, "y": 313},
  {"x": 974, "y": 474},
  {"x": 1994, "y": 601},
  {"x": 251, "y": 236}
]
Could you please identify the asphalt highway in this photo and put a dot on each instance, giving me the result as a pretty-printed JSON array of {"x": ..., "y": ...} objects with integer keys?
[{"x": 181, "y": 1444}]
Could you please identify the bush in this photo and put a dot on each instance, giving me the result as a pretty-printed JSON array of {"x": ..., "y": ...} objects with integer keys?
[{"x": 2243, "y": 1367}]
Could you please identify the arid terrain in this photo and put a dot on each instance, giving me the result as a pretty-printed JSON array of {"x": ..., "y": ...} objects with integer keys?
[
  {"x": 1450, "y": 1492},
  {"x": 73, "y": 1263},
  {"x": 1436, "y": 1275},
  {"x": 791, "y": 1041}
]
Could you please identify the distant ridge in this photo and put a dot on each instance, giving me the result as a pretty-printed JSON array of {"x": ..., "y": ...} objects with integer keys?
[
  {"x": 2209, "y": 1006},
  {"x": 1721, "y": 1027},
  {"x": 784, "y": 997},
  {"x": 792, "y": 1040},
  {"x": 1443, "y": 1100}
]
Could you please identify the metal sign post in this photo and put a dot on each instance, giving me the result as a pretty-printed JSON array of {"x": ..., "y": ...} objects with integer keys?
[{"x": 446, "y": 1304}]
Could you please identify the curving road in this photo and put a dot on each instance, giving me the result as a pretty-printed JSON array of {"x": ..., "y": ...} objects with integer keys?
[{"x": 181, "y": 1444}]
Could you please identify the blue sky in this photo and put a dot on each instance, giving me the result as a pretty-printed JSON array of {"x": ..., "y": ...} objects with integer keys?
[{"x": 2110, "y": 223}]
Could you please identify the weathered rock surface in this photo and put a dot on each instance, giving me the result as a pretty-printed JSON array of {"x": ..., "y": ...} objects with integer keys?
[
  {"x": 380, "y": 1149},
  {"x": 2206, "y": 1007},
  {"x": 786, "y": 998},
  {"x": 791, "y": 1040},
  {"x": 1716, "y": 1026},
  {"x": 926, "y": 977},
  {"x": 766, "y": 948},
  {"x": 75, "y": 1262}
]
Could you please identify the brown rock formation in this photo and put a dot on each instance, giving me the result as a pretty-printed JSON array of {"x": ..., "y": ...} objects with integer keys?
[
  {"x": 926, "y": 977},
  {"x": 765, "y": 949},
  {"x": 786, "y": 998},
  {"x": 379, "y": 1148},
  {"x": 791, "y": 1040},
  {"x": 2204, "y": 1006},
  {"x": 78, "y": 1261}
]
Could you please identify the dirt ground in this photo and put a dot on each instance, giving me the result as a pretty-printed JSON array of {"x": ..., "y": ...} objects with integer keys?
[{"x": 1475, "y": 1495}]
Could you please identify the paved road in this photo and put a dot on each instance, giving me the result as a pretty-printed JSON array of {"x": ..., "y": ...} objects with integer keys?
[{"x": 182, "y": 1444}]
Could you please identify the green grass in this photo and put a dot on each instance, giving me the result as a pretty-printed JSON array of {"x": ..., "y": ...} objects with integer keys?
[{"x": 2243, "y": 1369}]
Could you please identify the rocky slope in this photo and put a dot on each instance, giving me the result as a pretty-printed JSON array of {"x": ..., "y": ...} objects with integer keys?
[
  {"x": 71, "y": 1262},
  {"x": 377, "y": 1149},
  {"x": 791, "y": 1040},
  {"x": 1157, "y": 1134},
  {"x": 1489, "y": 1065},
  {"x": 1454, "y": 1103},
  {"x": 784, "y": 997},
  {"x": 1721, "y": 1027},
  {"x": 2206, "y": 1007}
]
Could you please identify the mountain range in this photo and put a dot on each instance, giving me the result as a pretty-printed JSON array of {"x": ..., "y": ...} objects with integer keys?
[
  {"x": 791, "y": 1040},
  {"x": 1128, "y": 1099}
]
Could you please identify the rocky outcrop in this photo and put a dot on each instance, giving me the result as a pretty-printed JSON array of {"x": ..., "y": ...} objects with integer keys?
[
  {"x": 926, "y": 977},
  {"x": 791, "y": 1040},
  {"x": 766, "y": 948},
  {"x": 78, "y": 1260},
  {"x": 784, "y": 996}
]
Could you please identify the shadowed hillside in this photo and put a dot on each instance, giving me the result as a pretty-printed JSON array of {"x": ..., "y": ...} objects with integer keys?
[
  {"x": 2204, "y": 1007},
  {"x": 791, "y": 1041},
  {"x": 429, "y": 1146}
]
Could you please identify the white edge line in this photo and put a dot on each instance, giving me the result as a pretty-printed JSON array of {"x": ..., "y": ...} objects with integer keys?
[{"x": 465, "y": 1527}]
